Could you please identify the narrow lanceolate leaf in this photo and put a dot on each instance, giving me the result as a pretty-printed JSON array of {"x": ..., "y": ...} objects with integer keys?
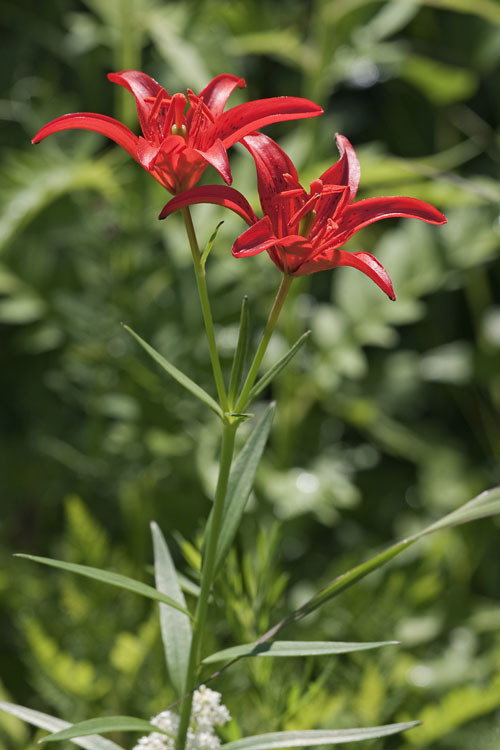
[
  {"x": 484, "y": 505},
  {"x": 208, "y": 247},
  {"x": 175, "y": 626},
  {"x": 240, "y": 353},
  {"x": 276, "y": 368},
  {"x": 113, "y": 579},
  {"x": 53, "y": 724},
  {"x": 294, "y": 648},
  {"x": 176, "y": 374},
  {"x": 105, "y": 724},
  {"x": 240, "y": 484},
  {"x": 311, "y": 737}
]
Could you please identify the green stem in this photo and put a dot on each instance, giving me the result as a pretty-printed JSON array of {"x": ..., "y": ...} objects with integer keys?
[
  {"x": 207, "y": 575},
  {"x": 205, "y": 308},
  {"x": 266, "y": 336}
]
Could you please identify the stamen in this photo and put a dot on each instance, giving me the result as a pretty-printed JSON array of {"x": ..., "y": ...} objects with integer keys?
[{"x": 158, "y": 102}]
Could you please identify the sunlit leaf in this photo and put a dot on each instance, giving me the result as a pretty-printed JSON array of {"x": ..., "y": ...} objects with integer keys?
[
  {"x": 175, "y": 626},
  {"x": 311, "y": 737},
  {"x": 293, "y": 648}
]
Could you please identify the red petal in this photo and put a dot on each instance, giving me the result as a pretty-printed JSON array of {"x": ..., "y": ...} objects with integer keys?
[
  {"x": 360, "y": 214},
  {"x": 218, "y": 194},
  {"x": 216, "y": 156},
  {"x": 103, "y": 124},
  {"x": 239, "y": 121},
  {"x": 218, "y": 91},
  {"x": 272, "y": 163},
  {"x": 141, "y": 86},
  {"x": 256, "y": 239},
  {"x": 346, "y": 170},
  {"x": 370, "y": 266}
]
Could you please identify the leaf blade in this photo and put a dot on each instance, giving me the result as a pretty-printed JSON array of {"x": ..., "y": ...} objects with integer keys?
[
  {"x": 240, "y": 483},
  {"x": 106, "y": 576},
  {"x": 293, "y": 648},
  {"x": 482, "y": 506},
  {"x": 240, "y": 353},
  {"x": 273, "y": 371},
  {"x": 103, "y": 724},
  {"x": 178, "y": 375},
  {"x": 52, "y": 723},
  {"x": 175, "y": 626},
  {"x": 312, "y": 737}
]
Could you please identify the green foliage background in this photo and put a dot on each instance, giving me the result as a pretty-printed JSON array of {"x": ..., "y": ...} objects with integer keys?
[{"x": 389, "y": 418}]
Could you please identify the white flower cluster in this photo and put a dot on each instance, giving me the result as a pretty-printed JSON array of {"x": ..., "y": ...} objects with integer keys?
[{"x": 206, "y": 713}]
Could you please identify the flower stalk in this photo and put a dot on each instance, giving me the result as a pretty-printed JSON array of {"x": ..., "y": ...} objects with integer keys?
[
  {"x": 199, "y": 270},
  {"x": 207, "y": 576},
  {"x": 280, "y": 298}
]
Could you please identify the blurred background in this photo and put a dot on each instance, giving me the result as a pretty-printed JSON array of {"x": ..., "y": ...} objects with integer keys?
[{"x": 388, "y": 419}]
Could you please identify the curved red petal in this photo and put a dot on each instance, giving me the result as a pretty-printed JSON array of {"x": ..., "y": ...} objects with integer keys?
[
  {"x": 216, "y": 156},
  {"x": 370, "y": 266},
  {"x": 364, "y": 262},
  {"x": 239, "y": 121},
  {"x": 141, "y": 86},
  {"x": 218, "y": 91},
  {"x": 103, "y": 124},
  {"x": 360, "y": 214},
  {"x": 272, "y": 163},
  {"x": 218, "y": 194},
  {"x": 255, "y": 240},
  {"x": 346, "y": 171}
]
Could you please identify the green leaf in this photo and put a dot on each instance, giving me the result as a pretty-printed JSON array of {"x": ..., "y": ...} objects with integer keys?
[
  {"x": 113, "y": 579},
  {"x": 176, "y": 374},
  {"x": 175, "y": 626},
  {"x": 105, "y": 724},
  {"x": 240, "y": 484},
  {"x": 188, "y": 586},
  {"x": 484, "y": 505},
  {"x": 276, "y": 368},
  {"x": 311, "y": 737},
  {"x": 293, "y": 648},
  {"x": 487, "y": 9},
  {"x": 52, "y": 724},
  {"x": 442, "y": 84},
  {"x": 209, "y": 244},
  {"x": 240, "y": 353}
]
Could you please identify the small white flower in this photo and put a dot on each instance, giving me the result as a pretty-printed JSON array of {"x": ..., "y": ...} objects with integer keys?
[{"x": 206, "y": 713}]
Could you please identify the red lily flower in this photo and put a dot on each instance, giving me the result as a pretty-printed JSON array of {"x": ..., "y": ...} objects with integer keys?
[
  {"x": 177, "y": 146},
  {"x": 304, "y": 231}
]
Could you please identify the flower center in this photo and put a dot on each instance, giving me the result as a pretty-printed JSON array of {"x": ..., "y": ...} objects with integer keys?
[{"x": 306, "y": 223}]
